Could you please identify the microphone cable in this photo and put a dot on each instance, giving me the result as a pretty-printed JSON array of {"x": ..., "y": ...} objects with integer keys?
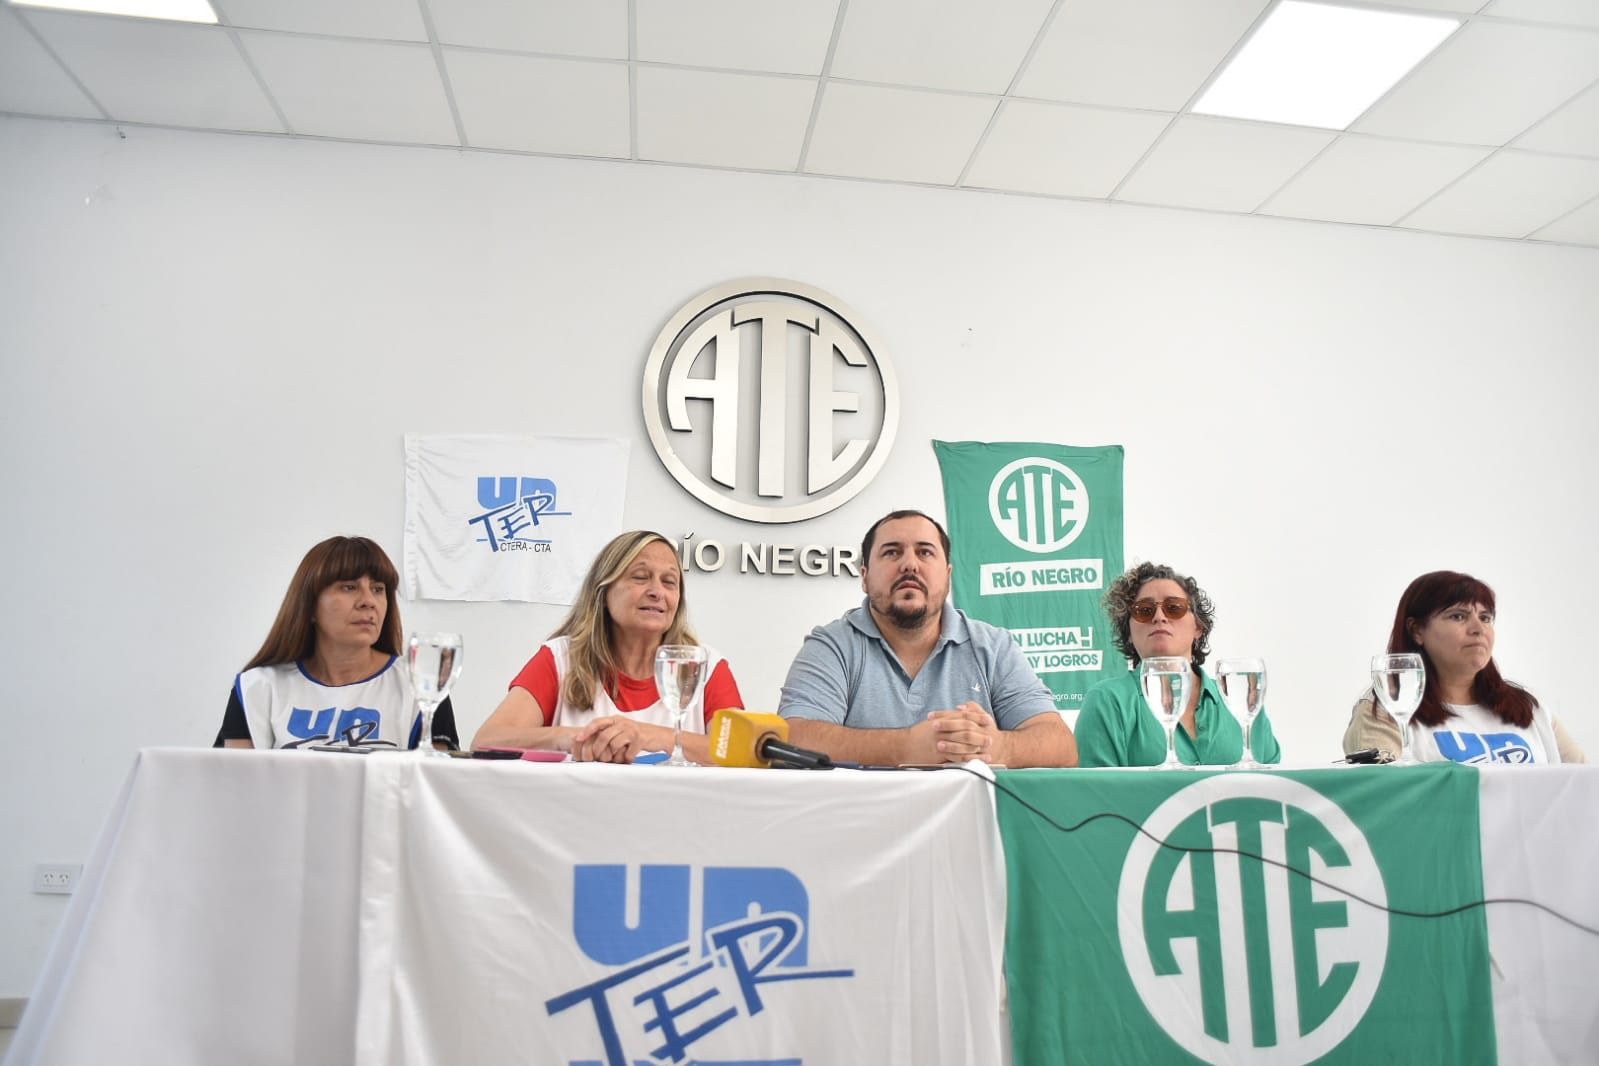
[{"x": 1280, "y": 864}]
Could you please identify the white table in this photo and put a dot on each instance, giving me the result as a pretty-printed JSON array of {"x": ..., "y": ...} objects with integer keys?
[{"x": 292, "y": 907}]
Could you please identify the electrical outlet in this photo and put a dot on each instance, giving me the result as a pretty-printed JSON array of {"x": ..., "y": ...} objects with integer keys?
[{"x": 56, "y": 878}]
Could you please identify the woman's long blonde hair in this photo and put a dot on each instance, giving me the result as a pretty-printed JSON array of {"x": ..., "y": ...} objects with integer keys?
[{"x": 591, "y": 655}]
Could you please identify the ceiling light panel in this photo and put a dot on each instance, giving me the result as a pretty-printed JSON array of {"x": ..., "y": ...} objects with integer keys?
[
  {"x": 170, "y": 10},
  {"x": 1320, "y": 64},
  {"x": 1151, "y": 54}
]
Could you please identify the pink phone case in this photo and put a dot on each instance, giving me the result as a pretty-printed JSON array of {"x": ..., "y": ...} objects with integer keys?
[{"x": 533, "y": 755}]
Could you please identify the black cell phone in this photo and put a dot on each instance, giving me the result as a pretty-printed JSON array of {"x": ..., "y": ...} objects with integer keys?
[
  {"x": 496, "y": 753},
  {"x": 1365, "y": 755}
]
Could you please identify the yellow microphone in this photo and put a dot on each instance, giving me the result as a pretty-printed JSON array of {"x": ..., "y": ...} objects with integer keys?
[{"x": 749, "y": 738}]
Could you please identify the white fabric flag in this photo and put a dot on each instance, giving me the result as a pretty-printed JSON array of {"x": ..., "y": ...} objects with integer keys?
[
  {"x": 508, "y": 517},
  {"x": 649, "y": 916}
]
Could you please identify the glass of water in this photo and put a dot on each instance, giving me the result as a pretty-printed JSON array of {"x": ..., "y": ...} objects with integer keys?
[
  {"x": 434, "y": 660},
  {"x": 679, "y": 676},
  {"x": 1243, "y": 689},
  {"x": 1398, "y": 681},
  {"x": 1167, "y": 680}
]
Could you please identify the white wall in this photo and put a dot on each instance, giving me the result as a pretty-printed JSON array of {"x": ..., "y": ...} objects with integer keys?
[{"x": 211, "y": 346}]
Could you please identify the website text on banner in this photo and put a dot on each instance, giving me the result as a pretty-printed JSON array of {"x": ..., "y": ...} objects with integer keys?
[
  {"x": 1201, "y": 947},
  {"x": 508, "y": 517},
  {"x": 1036, "y": 530}
]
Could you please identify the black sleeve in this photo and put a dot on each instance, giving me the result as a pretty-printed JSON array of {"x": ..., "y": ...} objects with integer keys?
[
  {"x": 236, "y": 727},
  {"x": 444, "y": 726}
]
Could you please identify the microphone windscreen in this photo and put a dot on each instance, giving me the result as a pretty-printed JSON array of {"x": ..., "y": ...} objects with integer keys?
[{"x": 736, "y": 736}]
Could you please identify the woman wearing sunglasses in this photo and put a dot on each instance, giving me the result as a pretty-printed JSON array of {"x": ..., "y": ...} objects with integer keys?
[
  {"x": 1468, "y": 712},
  {"x": 1154, "y": 610}
]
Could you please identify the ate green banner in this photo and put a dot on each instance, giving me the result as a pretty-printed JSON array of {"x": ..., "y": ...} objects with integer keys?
[
  {"x": 1121, "y": 950},
  {"x": 1036, "y": 533}
]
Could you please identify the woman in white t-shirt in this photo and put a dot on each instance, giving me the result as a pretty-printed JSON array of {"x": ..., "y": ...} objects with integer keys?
[
  {"x": 329, "y": 671},
  {"x": 1468, "y": 712}
]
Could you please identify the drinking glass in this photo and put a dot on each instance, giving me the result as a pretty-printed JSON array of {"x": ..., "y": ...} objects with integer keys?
[
  {"x": 1243, "y": 689},
  {"x": 1398, "y": 681},
  {"x": 434, "y": 660},
  {"x": 679, "y": 676},
  {"x": 1167, "y": 681}
]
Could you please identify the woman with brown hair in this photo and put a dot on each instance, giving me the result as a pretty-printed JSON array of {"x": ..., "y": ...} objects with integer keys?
[
  {"x": 1468, "y": 712},
  {"x": 330, "y": 670},
  {"x": 590, "y": 689}
]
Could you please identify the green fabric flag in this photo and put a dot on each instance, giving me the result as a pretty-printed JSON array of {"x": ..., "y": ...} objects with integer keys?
[
  {"x": 1036, "y": 533},
  {"x": 1120, "y": 950}
]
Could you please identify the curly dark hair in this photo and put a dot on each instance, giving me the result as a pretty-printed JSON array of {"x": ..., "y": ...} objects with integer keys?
[{"x": 1118, "y": 604}]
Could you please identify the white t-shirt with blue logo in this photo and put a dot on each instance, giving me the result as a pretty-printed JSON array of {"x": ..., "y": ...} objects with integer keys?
[{"x": 1474, "y": 734}]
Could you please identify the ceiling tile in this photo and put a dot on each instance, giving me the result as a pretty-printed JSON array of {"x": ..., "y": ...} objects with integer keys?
[
  {"x": 1459, "y": 7},
  {"x": 1135, "y": 53},
  {"x": 534, "y": 104},
  {"x": 141, "y": 70},
  {"x": 394, "y": 20},
  {"x": 1565, "y": 12},
  {"x": 896, "y": 134},
  {"x": 1510, "y": 195},
  {"x": 1574, "y": 129},
  {"x": 944, "y": 44},
  {"x": 1221, "y": 164},
  {"x": 784, "y": 36},
  {"x": 1579, "y": 227},
  {"x": 31, "y": 81},
  {"x": 360, "y": 89},
  {"x": 726, "y": 120},
  {"x": 1487, "y": 84},
  {"x": 1062, "y": 149},
  {"x": 595, "y": 28},
  {"x": 1371, "y": 181}
]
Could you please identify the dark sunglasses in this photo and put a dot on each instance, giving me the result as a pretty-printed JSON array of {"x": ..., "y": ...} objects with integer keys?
[{"x": 1173, "y": 607}]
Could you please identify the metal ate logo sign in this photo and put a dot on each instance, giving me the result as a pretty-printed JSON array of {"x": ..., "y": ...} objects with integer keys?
[
  {"x": 1240, "y": 961},
  {"x": 769, "y": 401},
  {"x": 690, "y": 952},
  {"x": 1039, "y": 505}
]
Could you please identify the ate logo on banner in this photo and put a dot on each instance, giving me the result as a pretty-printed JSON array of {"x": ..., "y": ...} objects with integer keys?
[
  {"x": 687, "y": 960},
  {"x": 516, "y": 510},
  {"x": 1038, "y": 505},
  {"x": 1281, "y": 970}
]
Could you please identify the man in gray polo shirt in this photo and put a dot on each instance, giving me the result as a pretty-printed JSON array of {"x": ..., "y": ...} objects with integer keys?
[{"x": 906, "y": 678}]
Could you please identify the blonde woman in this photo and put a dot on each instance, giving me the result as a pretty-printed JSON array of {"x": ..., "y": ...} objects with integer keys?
[{"x": 590, "y": 689}]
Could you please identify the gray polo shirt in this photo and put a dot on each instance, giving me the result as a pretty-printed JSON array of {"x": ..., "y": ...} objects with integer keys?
[{"x": 846, "y": 673}]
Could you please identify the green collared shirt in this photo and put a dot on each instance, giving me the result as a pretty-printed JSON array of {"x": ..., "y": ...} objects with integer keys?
[{"x": 1117, "y": 728}]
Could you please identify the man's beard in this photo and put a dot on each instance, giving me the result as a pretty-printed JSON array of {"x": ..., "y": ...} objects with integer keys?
[{"x": 906, "y": 617}]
